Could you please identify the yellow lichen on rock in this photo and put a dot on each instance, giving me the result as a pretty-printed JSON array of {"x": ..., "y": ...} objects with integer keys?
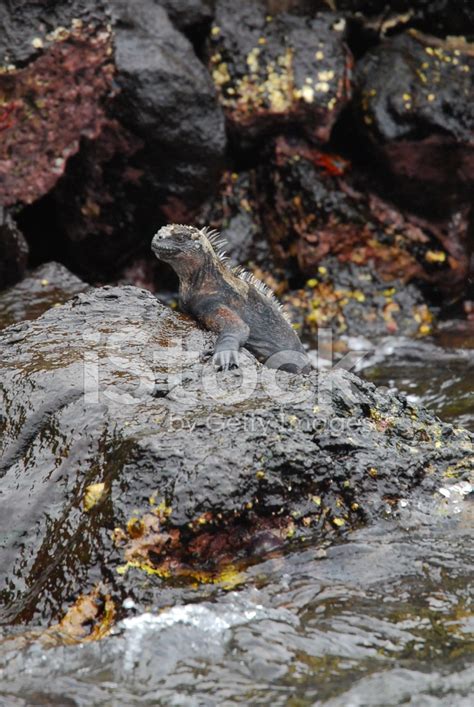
[
  {"x": 267, "y": 83},
  {"x": 435, "y": 256},
  {"x": 93, "y": 495},
  {"x": 90, "y": 618}
]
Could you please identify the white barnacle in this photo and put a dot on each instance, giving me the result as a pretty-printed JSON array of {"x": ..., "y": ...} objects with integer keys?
[
  {"x": 322, "y": 86},
  {"x": 339, "y": 25},
  {"x": 307, "y": 93}
]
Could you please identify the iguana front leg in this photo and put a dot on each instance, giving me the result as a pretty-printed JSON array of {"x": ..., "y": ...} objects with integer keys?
[{"x": 232, "y": 332}]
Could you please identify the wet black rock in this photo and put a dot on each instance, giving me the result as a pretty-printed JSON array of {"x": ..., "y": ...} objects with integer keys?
[
  {"x": 235, "y": 213},
  {"x": 279, "y": 69},
  {"x": 414, "y": 98},
  {"x": 123, "y": 456},
  {"x": 47, "y": 286},
  {"x": 13, "y": 251},
  {"x": 100, "y": 206},
  {"x": 189, "y": 14},
  {"x": 442, "y": 18},
  {"x": 167, "y": 99}
]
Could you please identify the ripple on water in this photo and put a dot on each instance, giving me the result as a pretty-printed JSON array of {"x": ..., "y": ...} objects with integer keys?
[
  {"x": 438, "y": 377},
  {"x": 386, "y": 612}
]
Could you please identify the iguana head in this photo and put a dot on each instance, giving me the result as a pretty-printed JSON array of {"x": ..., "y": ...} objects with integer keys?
[{"x": 185, "y": 248}]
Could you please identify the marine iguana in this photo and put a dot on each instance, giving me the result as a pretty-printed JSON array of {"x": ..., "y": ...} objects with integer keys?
[{"x": 229, "y": 301}]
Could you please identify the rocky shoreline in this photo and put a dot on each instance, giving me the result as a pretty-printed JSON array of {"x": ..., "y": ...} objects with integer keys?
[{"x": 332, "y": 145}]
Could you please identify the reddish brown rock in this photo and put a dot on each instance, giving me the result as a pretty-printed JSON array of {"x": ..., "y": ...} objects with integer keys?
[
  {"x": 48, "y": 106},
  {"x": 315, "y": 210}
]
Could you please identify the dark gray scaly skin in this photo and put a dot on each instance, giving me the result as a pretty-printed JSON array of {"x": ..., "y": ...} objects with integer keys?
[{"x": 228, "y": 301}]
